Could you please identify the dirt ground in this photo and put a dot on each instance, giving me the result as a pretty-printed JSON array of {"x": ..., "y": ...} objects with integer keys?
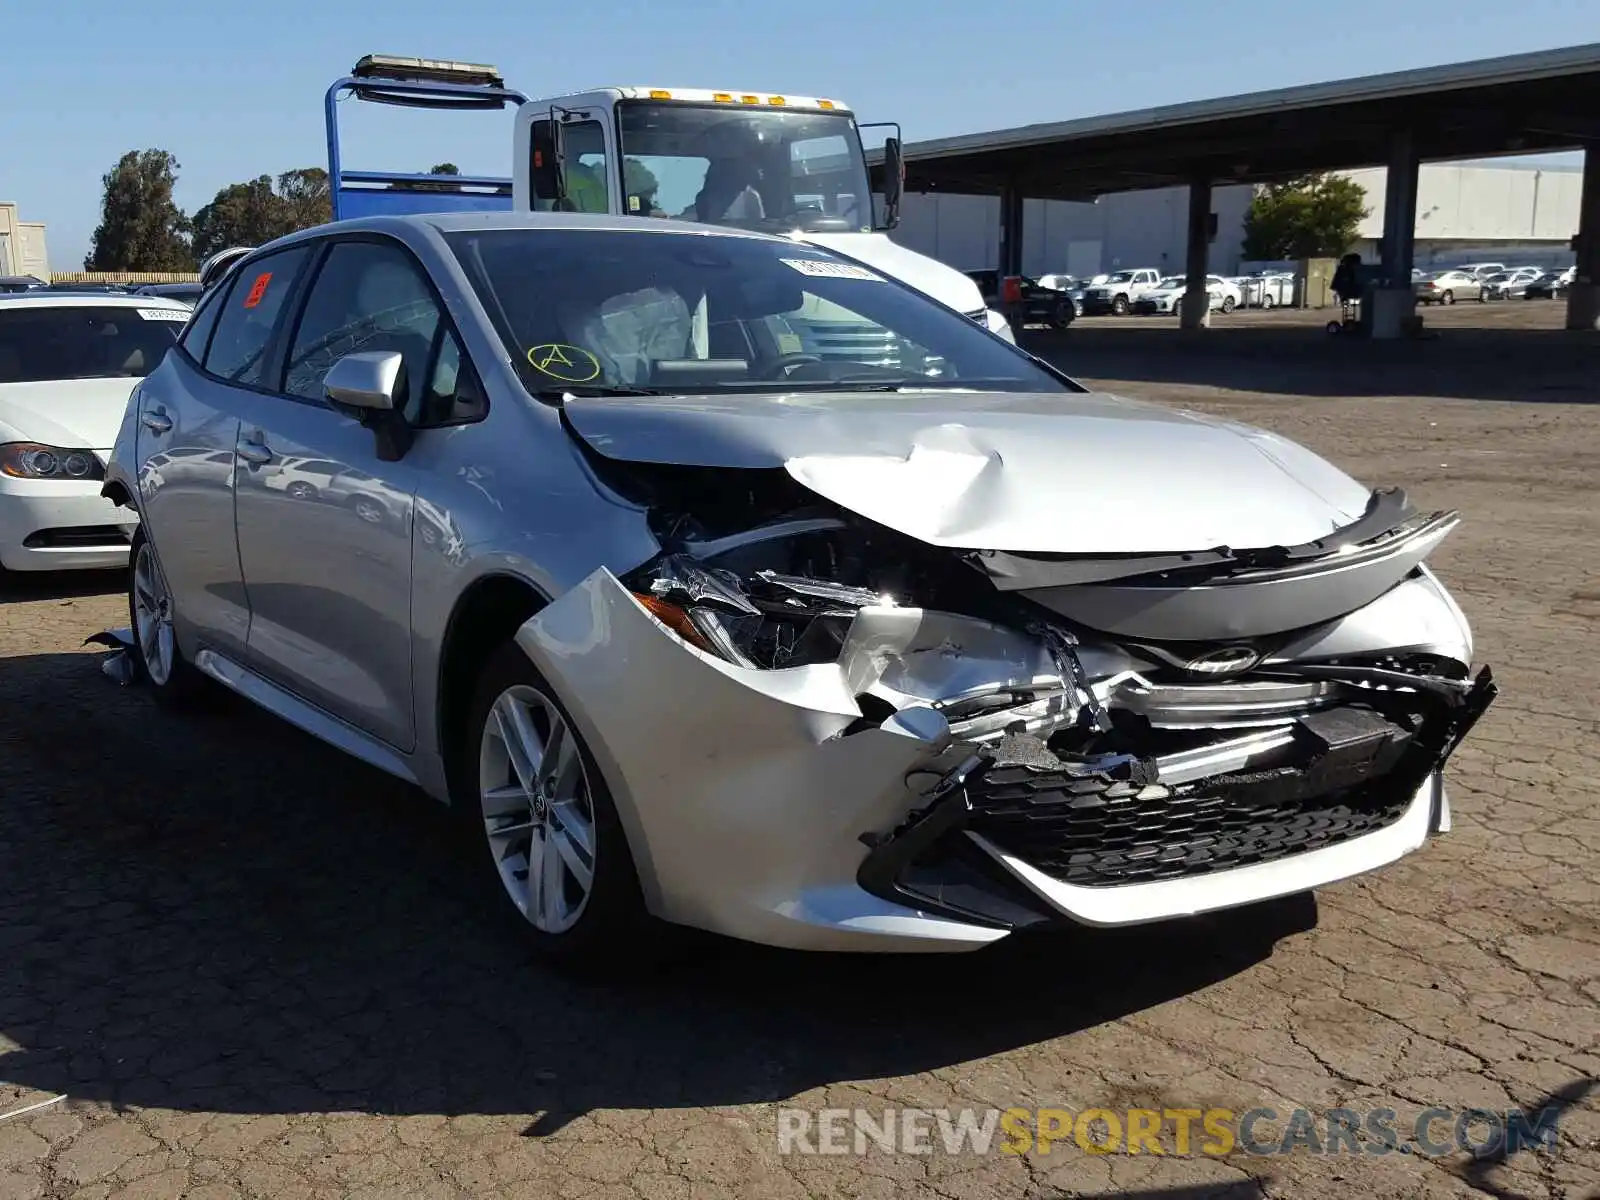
[{"x": 252, "y": 969}]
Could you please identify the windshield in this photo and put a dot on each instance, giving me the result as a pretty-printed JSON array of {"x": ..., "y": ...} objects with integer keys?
[
  {"x": 587, "y": 311},
  {"x": 761, "y": 169},
  {"x": 1120, "y": 277},
  {"x": 84, "y": 342}
]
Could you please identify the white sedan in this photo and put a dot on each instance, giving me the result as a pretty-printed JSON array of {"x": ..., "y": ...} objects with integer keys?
[
  {"x": 67, "y": 365},
  {"x": 1167, "y": 296}
]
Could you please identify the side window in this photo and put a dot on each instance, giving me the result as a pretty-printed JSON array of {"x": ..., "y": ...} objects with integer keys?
[
  {"x": 585, "y": 144},
  {"x": 198, "y": 332},
  {"x": 238, "y": 349},
  {"x": 372, "y": 296}
]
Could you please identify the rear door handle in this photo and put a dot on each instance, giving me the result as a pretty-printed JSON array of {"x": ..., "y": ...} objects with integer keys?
[
  {"x": 156, "y": 421},
  {"x": 253, "y": 452}
]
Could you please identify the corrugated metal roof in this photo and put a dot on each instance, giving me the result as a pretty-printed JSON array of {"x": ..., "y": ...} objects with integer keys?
[{"x": 1481, "y": 73}]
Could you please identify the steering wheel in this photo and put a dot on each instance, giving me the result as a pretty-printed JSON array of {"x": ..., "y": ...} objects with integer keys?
[{"x": 784, "y": 363}]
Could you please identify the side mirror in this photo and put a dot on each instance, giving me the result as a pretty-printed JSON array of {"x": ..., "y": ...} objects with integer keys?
[
  {"x": 547, "y": 170},
  {"x": 894, "y": 181},
  {"x": 368, "y": 385},
  {"x": 368, "y": 380}
]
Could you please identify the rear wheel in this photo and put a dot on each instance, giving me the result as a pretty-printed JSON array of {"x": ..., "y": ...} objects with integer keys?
[
  {"x": 546, "y": 831},
  {"x": 1266, "y": 300},
  {"x": 1447, "y": 298},
  {"x": 158, "y": 663},
  {"x": 1228, "y": 304}
]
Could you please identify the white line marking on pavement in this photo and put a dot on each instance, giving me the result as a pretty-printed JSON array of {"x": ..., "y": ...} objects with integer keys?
[{"x": 33, "y": 1107}]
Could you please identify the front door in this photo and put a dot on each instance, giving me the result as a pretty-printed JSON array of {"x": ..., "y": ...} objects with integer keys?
[{"x": 324, "y": 526}]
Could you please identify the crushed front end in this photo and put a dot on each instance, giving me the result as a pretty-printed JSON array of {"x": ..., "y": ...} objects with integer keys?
[{"x": 824, "y": 734}]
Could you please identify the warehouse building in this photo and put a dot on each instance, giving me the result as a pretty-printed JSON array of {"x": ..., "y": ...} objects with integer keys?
[
  {"x": 1465, "y": 212},
  {"x": 22, "y": 248}
]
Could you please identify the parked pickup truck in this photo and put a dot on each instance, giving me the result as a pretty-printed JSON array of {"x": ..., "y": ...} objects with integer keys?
[
  {"x": 1041, "y": 305},
  {"x": 1119, "y": 291}
]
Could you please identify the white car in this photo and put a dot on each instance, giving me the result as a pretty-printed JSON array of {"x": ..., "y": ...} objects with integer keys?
[
  {"x": 67, "y": 365},
  {"x": 1167, "y": 296}
]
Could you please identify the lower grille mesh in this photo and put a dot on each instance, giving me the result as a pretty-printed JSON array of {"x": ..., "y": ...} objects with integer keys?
[{"x": 1101, "y": 840}]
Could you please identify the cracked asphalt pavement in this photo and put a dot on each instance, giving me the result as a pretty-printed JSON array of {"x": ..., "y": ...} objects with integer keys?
[{"x": 255, "y": 968}]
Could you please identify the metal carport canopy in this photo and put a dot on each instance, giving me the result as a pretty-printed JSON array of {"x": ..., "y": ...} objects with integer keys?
[{"x": 1521, "y": 104}]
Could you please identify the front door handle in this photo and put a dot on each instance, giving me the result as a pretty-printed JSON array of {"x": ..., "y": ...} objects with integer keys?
[
  {"x": 156, "y": 421},
  {"x": 253, "y": 452}
]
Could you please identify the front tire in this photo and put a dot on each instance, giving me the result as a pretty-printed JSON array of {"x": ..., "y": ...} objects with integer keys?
[
  {"x": 1228, "y": 304},
  {"x": 158, "y": 663},
  {"x": 1119, "y": 306},
  {"x": 546, "y": 833},
  {"x": 1266, "y": 300}
]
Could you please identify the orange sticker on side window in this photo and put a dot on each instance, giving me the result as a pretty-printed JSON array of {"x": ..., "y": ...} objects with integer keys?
[{"x": 258, "y": 289}]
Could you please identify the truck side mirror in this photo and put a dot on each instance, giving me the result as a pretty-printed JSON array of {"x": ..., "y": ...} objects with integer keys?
[
  {"x": 548, "y": 170},
  {"x": 894, "y": 181}
]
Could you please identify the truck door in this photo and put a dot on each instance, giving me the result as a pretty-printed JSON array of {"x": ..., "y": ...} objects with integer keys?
[{"x": 590, "y": 154}]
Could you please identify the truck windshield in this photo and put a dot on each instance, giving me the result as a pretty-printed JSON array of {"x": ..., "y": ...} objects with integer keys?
[{"x": 758, "y": 169}]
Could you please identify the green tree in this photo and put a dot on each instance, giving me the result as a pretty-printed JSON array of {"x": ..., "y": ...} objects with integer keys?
[
  {"x": 306, "y": 193},
  {"x": 253, "y": 213},
  {"x": 140, "y": 229},
  {"x": 1316, "y": 216}
]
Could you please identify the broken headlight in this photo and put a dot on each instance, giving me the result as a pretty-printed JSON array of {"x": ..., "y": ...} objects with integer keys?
[{"x": 767, "y": 619}]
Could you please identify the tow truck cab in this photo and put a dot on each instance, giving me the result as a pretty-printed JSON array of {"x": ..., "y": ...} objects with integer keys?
[{"x": 776, "y": 163}]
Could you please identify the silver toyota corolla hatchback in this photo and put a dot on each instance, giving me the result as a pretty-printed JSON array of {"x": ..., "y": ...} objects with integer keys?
[{"x": 717, "y": 579}]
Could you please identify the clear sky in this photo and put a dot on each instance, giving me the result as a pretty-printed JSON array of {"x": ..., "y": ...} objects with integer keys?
[{"x": 235, "y": 90}]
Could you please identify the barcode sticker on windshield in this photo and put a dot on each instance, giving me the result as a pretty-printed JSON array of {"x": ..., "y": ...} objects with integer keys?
[
  {"x": 831, "y": 270},
  {"x": 165, "y": 314}
]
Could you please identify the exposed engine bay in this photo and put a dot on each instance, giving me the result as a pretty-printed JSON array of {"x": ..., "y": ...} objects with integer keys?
[{"x": 1096, "y": 758}]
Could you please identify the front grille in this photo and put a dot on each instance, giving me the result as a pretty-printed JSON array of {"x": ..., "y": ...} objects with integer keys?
[
  {"x": 1336, "y": 781},
  {"x": 1102, "y": 839}
]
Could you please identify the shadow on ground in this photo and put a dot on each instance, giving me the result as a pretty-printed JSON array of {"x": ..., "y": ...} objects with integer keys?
[
  {"x": 218, "y": 913},
  {"x": 1520, "y": 365},
  {"x": 20, "y": 586}
]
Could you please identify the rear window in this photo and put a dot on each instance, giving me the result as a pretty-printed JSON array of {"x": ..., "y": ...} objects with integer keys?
[{"x": 84, "y": 342}]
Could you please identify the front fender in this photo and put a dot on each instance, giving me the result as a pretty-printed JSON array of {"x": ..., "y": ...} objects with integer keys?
[{"x": 742, "y": 793}]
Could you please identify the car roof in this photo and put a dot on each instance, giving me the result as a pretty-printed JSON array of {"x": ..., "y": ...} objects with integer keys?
[
  {"x": 46, "y": 299},
  {"x": 476, "y": 221}
]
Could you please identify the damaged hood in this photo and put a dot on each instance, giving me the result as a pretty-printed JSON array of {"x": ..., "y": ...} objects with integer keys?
[{"x": 1064, "y": 473}]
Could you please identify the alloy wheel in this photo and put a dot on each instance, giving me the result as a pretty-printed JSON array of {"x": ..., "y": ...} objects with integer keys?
[
  {"x": 538, "y": 811},
  {"x": 152, "y": 613}
]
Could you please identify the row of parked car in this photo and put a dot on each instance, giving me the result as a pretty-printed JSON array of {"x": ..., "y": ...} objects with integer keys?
[
  {"x": 1056, "y": 299},
  {"x": 15, "y": 284},
  {"x": 1491, "y": 281}
]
